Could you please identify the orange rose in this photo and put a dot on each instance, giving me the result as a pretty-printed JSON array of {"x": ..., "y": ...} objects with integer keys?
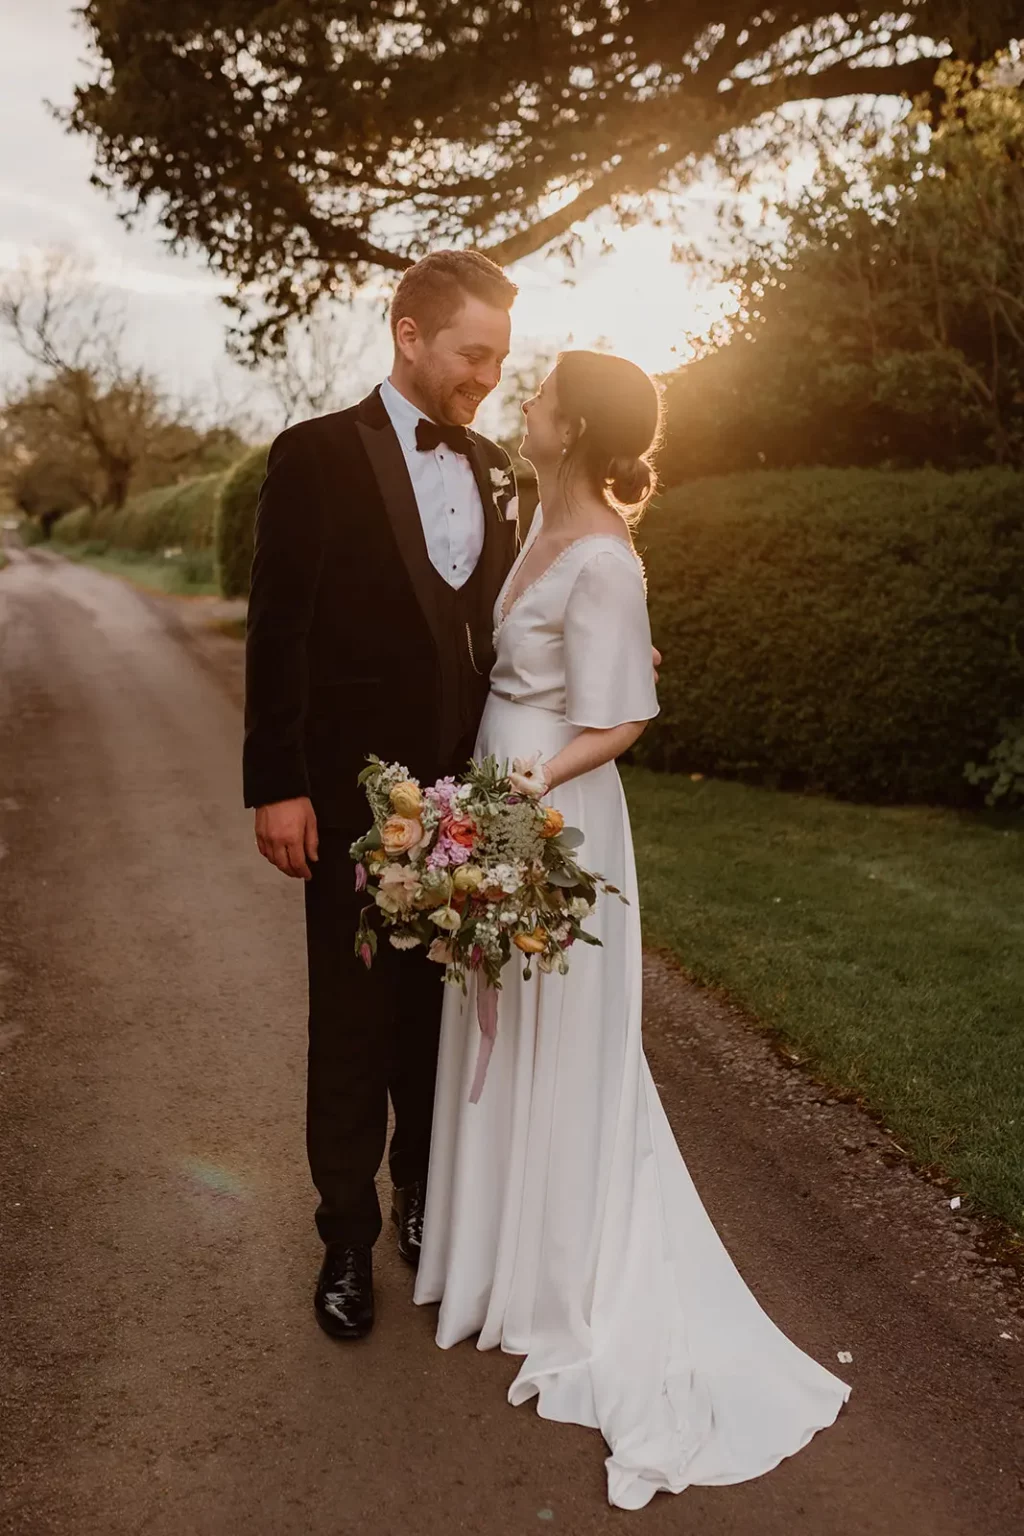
[
  {"x": 554, "y": 822},
  {"x": 399, "y": 834},
  {"x": 460, "y": 829},
  {"x": 533, "y": 943}
]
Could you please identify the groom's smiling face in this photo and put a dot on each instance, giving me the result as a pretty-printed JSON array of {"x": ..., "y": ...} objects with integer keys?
[{"x": 453, "y": 371}]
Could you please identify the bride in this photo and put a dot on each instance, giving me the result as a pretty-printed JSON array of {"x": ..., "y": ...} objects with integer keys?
[{"x": 561, "y": 1223}]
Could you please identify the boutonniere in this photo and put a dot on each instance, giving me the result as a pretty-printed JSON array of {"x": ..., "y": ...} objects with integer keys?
[{"x": 506, "y": 502}]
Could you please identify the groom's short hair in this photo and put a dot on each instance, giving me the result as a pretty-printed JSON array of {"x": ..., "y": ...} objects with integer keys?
[{"x": 434, "y": 290}]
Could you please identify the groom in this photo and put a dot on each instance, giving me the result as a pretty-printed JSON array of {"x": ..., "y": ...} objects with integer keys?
[{"x": 383, "y": 536}]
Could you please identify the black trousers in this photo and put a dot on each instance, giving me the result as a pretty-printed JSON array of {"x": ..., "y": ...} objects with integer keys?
[{"x": 371, "y": 1033}]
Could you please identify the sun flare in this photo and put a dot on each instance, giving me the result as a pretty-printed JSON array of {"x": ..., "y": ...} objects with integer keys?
[{"x": 637, "y": 302}]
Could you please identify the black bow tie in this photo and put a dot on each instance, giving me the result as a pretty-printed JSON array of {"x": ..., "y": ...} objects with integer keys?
[{"x": 431, "y": 434}]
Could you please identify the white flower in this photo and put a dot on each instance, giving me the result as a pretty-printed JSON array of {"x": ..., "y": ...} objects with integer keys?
[
  {"x": 446, "y": 918},
  {"x": 579, "y": 906},
  {"x": 501, "y": 479},
  {"x": 404, "y": 940},
  {"x": 844, "y": 1357},
  {"x": 528, "y": 777},
  {"x": 506, "y": 877}
]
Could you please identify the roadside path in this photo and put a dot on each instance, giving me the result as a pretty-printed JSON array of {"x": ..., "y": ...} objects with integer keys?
[{"x": 160, "y": 1370}]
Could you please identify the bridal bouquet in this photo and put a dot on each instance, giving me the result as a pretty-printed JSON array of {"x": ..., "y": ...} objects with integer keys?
[{"x": 472, "y": 871}]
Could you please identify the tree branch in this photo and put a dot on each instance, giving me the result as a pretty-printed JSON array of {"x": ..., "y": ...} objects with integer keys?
[{"x": 642, "y": 169}]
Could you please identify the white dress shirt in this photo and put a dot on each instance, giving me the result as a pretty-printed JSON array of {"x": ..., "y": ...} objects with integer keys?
[{"x": 446, "y": 492}]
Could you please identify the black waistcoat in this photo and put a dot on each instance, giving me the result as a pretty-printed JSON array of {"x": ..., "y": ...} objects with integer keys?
[{"x": 463, "y": 632}]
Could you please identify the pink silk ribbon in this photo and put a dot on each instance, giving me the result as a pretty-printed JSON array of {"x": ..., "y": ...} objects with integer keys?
[{"x": 487, "y": 1018}]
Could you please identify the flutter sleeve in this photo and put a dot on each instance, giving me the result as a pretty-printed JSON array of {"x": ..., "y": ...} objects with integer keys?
[{"x": 609, "y": 669}]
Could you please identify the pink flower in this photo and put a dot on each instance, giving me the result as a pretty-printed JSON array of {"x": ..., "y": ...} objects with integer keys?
[
  {"x": 442, "y": 794},
  {"x": 366, "y": 955},
  {"x": 360, "y": 877},
  {"x": 476, "y": 957}
]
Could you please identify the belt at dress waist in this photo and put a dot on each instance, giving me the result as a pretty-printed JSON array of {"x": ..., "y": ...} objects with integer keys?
[{"x": 509, "y": 698}]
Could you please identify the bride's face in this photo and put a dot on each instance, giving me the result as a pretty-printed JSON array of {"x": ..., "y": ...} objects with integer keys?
[{"x": 547, "y": 431}]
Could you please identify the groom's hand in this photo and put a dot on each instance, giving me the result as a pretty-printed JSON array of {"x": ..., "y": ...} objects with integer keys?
[
  {"x": 657, "y": 662},
  {"x": 286, "y": 835}
]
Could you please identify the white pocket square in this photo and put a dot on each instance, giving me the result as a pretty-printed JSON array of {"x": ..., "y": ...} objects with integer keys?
[{"x": 512, "y": 510}]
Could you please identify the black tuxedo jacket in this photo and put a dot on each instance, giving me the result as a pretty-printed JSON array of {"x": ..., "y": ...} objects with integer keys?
[{"x": 343, "y": 653}]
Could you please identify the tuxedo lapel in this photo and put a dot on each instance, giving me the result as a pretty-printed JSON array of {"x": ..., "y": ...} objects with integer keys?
[
  {"x": 499, "y": 536},
  {"x": 387, "y": 461}
]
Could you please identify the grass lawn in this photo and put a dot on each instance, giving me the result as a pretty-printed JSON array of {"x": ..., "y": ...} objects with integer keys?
[
  {"x": 187, "y": 574},
  {"x": 886, "y": 945}
]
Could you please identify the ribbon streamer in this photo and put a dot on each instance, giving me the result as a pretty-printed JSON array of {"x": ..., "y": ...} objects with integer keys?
[{"x": 487, "y": 1018}]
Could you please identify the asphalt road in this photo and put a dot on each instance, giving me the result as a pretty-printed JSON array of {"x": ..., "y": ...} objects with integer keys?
[{"x": 160, "y": 1369}]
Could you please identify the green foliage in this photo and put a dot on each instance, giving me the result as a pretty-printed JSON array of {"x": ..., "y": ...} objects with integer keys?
[
  {"x": 886, "y": 944},
  {"x": 280, "y": 136},
  {"x": 236, "y": 522},
  {"x": 852, "y": 631},
  {"x": 1004, "y": 770},
  {"x": 172, "y": 517},
  {"x": 30, "y": 532},
  {"x": 888, "y": 328}
]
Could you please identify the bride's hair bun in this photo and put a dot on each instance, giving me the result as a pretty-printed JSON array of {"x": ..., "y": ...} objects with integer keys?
[
  {"x": 630, "y": 481},
  {"x": 614, "y": 409}
]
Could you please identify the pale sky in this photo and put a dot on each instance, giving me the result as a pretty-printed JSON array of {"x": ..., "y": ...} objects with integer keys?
[{"x": 636, "y": 298}]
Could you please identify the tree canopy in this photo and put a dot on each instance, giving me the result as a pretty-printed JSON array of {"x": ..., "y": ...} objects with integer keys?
[
  {"x": 888, "y": 327},
  {"x": 306, "y": 144}
]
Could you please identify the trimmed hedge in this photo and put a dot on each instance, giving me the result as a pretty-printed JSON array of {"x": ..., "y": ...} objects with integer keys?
[
  {"x": 169, "y": 517},
  {"x": 858, "y": 632},
  {"x": 236, "y": 522}
]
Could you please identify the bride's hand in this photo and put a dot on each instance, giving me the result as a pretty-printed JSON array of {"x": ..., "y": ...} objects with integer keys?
[{"x": 529, "y": 777}]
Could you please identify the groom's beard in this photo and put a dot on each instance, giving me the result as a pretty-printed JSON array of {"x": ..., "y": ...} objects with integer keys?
[{"x": 448, "y": 404}]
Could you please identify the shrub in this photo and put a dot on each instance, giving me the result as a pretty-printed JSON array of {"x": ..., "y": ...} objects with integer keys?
[
  {"x": 31, "y": 532},
  {"x": 236, "y": 521},
  {"x": 1004, "y": 771},
  {"x": 170, "y": 517},
  {"x": 853, "y": 631}
]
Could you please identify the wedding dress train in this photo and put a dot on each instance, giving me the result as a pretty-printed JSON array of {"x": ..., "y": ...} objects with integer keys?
[{"x": 561, "y": 1222}]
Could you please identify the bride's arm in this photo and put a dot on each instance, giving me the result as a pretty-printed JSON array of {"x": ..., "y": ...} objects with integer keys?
[
  {"x": 589, "y": 750},
  {"x": 609, "y": 670}
]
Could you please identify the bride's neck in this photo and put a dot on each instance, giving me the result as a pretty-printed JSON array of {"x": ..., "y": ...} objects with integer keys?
[{"x": 561, "y": 496}]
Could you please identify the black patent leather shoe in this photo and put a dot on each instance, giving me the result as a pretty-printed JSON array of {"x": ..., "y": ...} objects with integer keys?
[
  {"x": 407, "y": 1214},
  {"x": 344, "y": 1292}
]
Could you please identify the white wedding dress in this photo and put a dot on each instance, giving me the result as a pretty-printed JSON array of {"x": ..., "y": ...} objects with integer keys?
[{"x": 561, "y": 1222}]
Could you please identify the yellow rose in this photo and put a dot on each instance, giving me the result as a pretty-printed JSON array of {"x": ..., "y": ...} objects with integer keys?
[
  {"x": 401, "y": 833},
  {"x": 406, "y": 799},
  {"x": 554, "y": 822},
  {"x": 533, "y": 943},
  {"x": 468, "y": 878}
]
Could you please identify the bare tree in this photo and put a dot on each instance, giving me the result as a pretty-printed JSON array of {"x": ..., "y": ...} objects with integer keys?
[
  {"x": 82, "y": 386},
  {"x": 326, "y": 361}
]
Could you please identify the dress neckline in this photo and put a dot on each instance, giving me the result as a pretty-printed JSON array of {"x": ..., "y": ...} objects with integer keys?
[{"x": 504, "y": 614}]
